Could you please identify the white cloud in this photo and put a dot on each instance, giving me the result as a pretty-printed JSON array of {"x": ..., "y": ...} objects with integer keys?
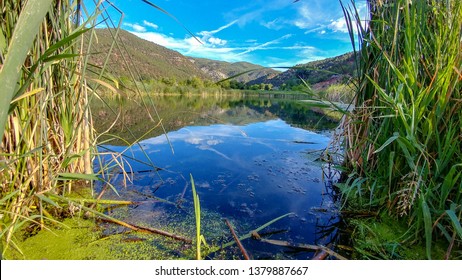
[
  {"x": 150, "y": 24},
  {"x": 214, "y": 49},
  {"x": 208, "y": 38},
  {"x": 338, "y": 25},
  {"x": 302, "y": 55},
  {"x": 193, "y": 42},
  {"x": 217, "y": 41},
  {"x": 136, "y": 27},
  {"x": 315, "y": 14},
  {"x": 161, "y": 39},
  {"x": 318, "y": 16}
]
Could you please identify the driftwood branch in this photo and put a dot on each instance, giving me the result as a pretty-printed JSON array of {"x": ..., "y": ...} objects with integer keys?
[
  {"x": 148, "y": 230},
  {"x": 304, "y": 247},
  {"x": 238, "y": 242},
  {"x": 320, "y": 255}
]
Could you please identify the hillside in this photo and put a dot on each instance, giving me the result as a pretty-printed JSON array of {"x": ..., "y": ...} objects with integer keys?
[
  {"x": 152, "y": 61},
  {"x": 219, "y": 70},
  {"x": 328, "y": 71}
]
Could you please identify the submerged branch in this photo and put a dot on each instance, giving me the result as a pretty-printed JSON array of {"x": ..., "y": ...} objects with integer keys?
[
  {"x": 238, "y": 242},
  {"x": 147, "y": 229},
  {"x": 303, "y": 247}
]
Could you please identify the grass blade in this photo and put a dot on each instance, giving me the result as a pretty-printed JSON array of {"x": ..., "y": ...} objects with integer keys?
[
  {"x": 428, "y": 228},
  {"x": 197, "y": 213},
  {"x": 455, "y": 221}
]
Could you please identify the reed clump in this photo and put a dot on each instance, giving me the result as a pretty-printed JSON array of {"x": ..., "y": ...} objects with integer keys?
[
  {"x": 47, "y": 141},
  {"x": 403, "y": 141}
]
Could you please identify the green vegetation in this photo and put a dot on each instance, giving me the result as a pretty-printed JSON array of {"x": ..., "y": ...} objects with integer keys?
[
  {"x": 219, "y": 70},
  {"x": 172, "y": 73},
  {"x": 154, "y": 62},
  {"x": 146, "y": 59},
  {"x": 47, "y": 140},
  {"x": 403, "y": 139},
  {"x": 78, "y": 238},
  {"x": 339, "y": 69}
]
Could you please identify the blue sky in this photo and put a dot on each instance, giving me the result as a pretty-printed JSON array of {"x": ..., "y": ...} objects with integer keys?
[{"x": 271, "y": 33}]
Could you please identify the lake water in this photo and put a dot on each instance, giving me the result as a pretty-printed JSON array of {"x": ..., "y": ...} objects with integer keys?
[{"x": 252, "y": 161}]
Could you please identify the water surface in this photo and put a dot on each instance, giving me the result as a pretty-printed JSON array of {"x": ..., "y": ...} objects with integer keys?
[{"x": 249, "y": 166}]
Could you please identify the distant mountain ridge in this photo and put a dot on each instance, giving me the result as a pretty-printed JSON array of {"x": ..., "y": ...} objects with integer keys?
[
  {"x": 320, "y": 72},
  {"x": 219, "y": 70},
  {"x": 152, "y": 61}
]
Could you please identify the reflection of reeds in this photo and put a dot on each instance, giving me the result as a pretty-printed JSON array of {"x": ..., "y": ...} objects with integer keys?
[{"x": 403, "y": 140}]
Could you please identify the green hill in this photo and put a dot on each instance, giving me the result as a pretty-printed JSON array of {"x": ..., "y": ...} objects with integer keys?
[
  {"x": 151, "y": 61},
  {"x": 322, "y": 72},
  {"x": 219, "y": 70}
]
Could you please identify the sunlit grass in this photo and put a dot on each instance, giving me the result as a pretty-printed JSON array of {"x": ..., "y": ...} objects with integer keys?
[
  {"x": 48, "y": 143},
  {"x": 403, "y": 140},
  {"x": 47, "y": 137}
]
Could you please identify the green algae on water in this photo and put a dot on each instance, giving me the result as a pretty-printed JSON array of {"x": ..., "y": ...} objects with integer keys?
[{"x": 85, "y": 239}]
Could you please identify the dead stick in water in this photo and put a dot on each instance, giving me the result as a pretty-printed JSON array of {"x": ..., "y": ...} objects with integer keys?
[
  {"x": 320, "y": 256},
  {"x": 238, "y": 242},
  {"x": 303, "y": 247},
  {"x": 110, "y": 219},
  {"x": 147, "y": 229}
]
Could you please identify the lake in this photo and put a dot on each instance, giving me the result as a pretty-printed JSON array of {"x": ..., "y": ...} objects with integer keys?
[{"x": 252, "y": 160}]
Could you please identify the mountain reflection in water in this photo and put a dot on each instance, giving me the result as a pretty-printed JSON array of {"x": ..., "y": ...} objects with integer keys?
[{"x": 249, "y": 172}]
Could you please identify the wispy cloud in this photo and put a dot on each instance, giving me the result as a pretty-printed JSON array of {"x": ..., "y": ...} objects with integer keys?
[
  {"x": 318, "y": 16},
  {"x": 208, "y": 38},
  {"x": 315, "y": 14},
  {"x": 212, "y": 46},
  {"x": 189, "y": 46},
  {"x": 243, "y": 52},
  {"x": 264, "y": 45},
  {"x": 315, "y": 19},
  {"x": 210, "y": 33},
  {"x": 276, "y": 24},
  {"x": 150, "y": 24},
  {"x": 254, "y": 11}
]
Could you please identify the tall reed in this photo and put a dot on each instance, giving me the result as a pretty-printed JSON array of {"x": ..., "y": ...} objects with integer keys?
[
  {"x": 403, "y": 141},
  {"x": 47, "y": 138},
  {"x": 48, "y": 141}
]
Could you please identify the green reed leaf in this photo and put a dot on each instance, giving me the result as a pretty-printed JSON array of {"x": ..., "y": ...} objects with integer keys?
[
  {"x": 455, "y": 222},
  {"x": 24, "y": 33},
  {"x": 77, "y": 176},
  {"x": 428, "y": 228}
]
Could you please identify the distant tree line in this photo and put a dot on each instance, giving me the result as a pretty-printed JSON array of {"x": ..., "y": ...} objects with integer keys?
[{"x": 174, "y": 85}]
